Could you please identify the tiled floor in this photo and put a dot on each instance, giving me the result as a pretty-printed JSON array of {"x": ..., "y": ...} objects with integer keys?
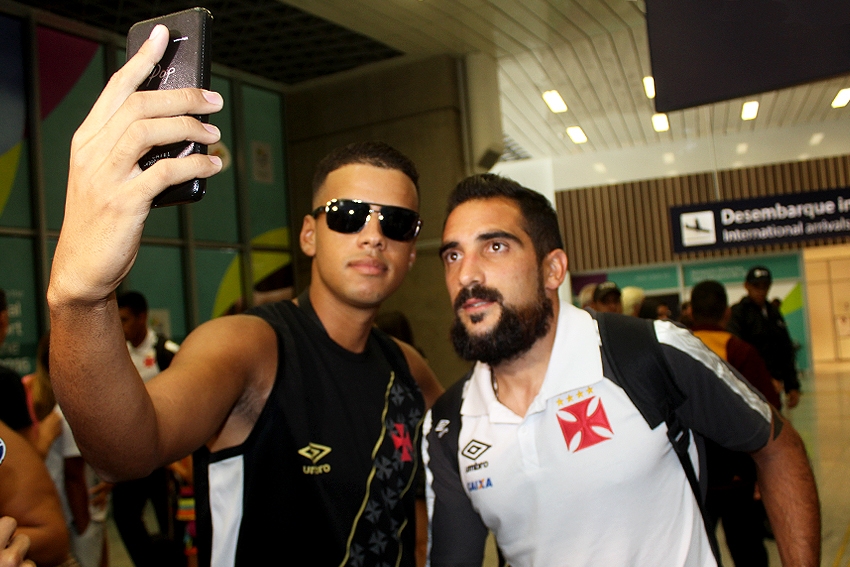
[{"x": 823, "y": 420}]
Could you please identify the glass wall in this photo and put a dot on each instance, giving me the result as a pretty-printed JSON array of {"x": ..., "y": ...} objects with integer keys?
[{"x": 196, "y": 262}]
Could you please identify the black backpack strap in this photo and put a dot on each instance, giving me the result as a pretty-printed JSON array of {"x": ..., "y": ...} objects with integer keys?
[
  {"x": 633, "y": 352},
  {"x": 445, "y": 411},
  {"x": 163, "y": 355},
  {"x": 446, "y": 422}
]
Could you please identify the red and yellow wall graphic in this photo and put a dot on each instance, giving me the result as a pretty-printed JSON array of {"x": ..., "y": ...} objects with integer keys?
[{"x": 63, "y": 60}]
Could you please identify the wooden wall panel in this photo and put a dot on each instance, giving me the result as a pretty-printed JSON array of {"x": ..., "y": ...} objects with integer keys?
[{"x": 628, "y": 224}]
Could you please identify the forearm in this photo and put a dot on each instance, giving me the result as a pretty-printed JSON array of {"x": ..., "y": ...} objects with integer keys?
[
  {"x": 790, "y": 496},
  {"x": 99, "y": 388}
]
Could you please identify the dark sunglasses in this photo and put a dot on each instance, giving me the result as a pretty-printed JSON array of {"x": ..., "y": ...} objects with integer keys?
[{"x": 351, "y": 215}]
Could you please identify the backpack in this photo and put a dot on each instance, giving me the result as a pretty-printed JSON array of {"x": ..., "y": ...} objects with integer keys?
[
  {"x": 164, "y": 354},
  {"x": 633, "y": 352}
]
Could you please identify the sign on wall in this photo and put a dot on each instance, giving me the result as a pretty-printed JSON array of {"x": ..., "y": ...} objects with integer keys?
[{"x": 768, "y": 220}]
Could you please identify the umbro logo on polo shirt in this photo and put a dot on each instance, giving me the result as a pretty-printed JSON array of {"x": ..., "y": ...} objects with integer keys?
[{"x": 473, "y": 450}]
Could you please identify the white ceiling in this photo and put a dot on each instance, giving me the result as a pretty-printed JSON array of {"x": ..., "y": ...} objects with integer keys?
[{"x": 594, "y": 52}]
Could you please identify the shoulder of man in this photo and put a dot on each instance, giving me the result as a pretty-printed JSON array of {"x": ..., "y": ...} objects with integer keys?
[
  {"x": 741, "y": 307},
  {"x": 741, "y": 317},
  {"x": 392, "y": 351},
  {"x": 448, "y": 404},
  {"x": 633, "y": 352},
  {"x": 442, "y": 427},
  {"x": 775, "y": 314}
]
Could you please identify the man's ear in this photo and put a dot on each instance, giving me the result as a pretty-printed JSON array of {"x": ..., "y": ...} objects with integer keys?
[
  {"x": 555, "y": 269},
  {"x": 307, "y": 238}
]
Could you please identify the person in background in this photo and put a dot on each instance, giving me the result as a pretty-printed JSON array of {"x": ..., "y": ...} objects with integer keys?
[
  {"x": 632, "y": 298},
  {"x": 731, "y": 496},
  {"x": 656, "y": 309},
  {"x": 13, "y": 399},
  {"x": 49, "y": 427},
  {"x": 27, "y": 494},
  {"x": 685, "y": 316},
  {"x": 662, "y": 311},
  {"x": 761, "y": 324},
  {"x": 606, "y": 298},
  {"x": 585, "y": 295},
  {"x": 83, "y": 496},
  {"x": 151, "y": 354}
]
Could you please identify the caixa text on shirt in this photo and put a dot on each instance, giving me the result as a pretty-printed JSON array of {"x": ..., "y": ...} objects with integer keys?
[{"x": 479, "y": 484}]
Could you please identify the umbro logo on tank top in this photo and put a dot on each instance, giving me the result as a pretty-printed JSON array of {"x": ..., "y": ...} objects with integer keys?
[{"x": 315, "y": 453}]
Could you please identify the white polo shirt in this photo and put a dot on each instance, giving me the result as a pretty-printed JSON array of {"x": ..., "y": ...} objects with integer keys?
[{"x": 581, "y": 479}]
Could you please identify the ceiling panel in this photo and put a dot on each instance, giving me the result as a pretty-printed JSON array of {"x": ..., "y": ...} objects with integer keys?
[{"x": 595, "y": 52}]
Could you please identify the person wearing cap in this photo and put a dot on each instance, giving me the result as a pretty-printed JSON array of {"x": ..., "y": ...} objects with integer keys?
[
  {"x": 758, "y": 322},
  {"x": 606, "y": 298}
]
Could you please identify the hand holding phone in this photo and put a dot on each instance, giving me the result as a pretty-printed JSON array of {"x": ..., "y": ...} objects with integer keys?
[{"x": 186, "y": 63}]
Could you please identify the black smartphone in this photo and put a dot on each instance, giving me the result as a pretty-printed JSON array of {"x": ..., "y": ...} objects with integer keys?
[{"x": 186, "y": 63}]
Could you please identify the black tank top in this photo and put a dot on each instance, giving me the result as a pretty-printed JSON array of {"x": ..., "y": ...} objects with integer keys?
[{"x": 328, "y": 470}]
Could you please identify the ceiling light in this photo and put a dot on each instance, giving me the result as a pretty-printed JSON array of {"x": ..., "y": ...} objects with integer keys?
[
  {"x": 649, "y": 87},
  {"x": 668, "y": 157},
  {"x": 576, "y": 134},
  {"x": 742, "y": 148},
  {"x": 660, "y": 122},
  {"x": 816, "y": 138},
  {"x": 599, "y": 167},
  {"x": 750, "y": 110},
  {"x": 554, "y": 101},
  {"x": 841, "y": 99}
]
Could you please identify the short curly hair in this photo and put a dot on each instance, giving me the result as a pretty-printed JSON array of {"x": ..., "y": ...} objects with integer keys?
[{"x": 378, "y": 154}]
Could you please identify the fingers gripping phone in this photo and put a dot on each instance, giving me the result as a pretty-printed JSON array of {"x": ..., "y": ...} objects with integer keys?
[{"x": 186, "y": 63}]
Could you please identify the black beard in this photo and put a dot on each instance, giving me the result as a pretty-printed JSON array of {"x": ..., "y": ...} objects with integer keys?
[{"x": 516, "y": 331}]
